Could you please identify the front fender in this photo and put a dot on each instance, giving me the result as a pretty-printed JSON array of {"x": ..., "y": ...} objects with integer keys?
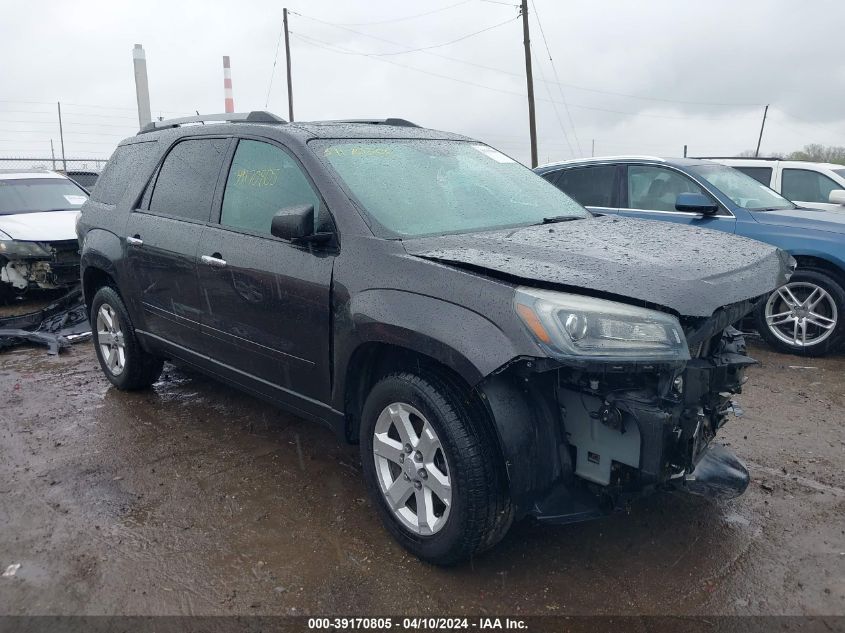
[
  {"x": 100, "y": 249},
  {"x": 463, "y": 340}
]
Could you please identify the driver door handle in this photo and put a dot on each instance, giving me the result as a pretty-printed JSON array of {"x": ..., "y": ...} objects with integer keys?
[
  {"x": 214, "y": 262},
  {"x": 134, "y": 241}
]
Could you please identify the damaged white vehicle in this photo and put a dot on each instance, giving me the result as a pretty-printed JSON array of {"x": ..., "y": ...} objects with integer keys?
[{"x": 38, "y": 246}]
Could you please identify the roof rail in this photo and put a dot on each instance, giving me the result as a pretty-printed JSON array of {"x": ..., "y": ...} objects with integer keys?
[
  {"x": 256, "y": 116},
  {"x": 389, "y": 121}
]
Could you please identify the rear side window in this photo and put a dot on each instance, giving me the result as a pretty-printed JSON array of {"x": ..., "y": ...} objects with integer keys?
[
  {"x": 807, "y": 186},
  {"x": 763, "y": 175},
  {"x": 187, "y": 179},
  {"x": 591, "y": 186},
  {"x": 263, "y": 180},
  {"x": 126, "y": 162}
]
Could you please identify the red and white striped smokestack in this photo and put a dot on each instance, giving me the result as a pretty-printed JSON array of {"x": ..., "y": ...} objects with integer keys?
[{"x": 227, "y": 85}]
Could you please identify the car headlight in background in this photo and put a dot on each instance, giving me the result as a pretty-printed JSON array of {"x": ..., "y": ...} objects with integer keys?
[
  {"x": 12, "y": 248},
  {"x": 575, "y": 326}
]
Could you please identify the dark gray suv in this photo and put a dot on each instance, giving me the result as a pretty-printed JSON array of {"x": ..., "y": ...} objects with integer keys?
[{"x": 496, "y": 350}]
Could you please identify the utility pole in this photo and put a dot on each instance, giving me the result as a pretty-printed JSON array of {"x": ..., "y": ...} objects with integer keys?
[
  {"x": 685, "y": 151},
  {"x": 593, "y": 151},
  {"x": 53, "y": 154},
  {"x": 529, "y": 77},
  {"x": 760, "y": 139},
  {"x": 287, "y": 59},
  {"x": 62, "y": 137}
]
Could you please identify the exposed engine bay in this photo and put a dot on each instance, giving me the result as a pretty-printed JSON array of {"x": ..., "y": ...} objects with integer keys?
[
  {"x": 645, "y": 425},
  {"x": 43, "y": 265},
  {"x": 623, "y": 430}
]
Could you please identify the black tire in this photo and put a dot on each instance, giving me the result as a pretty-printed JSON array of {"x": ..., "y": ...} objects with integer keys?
[
  {"x": 480, "y": 513},
  {"x": 140, "y": 369},
  {"x": 834, "y": 341}
]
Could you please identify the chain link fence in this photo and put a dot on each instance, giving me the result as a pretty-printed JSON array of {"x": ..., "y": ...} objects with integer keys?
[{"x": 55, "y": 164}]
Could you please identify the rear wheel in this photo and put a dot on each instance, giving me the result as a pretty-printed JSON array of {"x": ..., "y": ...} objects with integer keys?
[
  {"x": 805, "y": 316},
  {"x": 433, "y": 468},
  {"x": 122, "y": 359}
]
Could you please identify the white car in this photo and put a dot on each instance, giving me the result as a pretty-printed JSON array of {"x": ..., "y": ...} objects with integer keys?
[
  {"x": 816, "y": 185},
  {"x": 38, "y": 245}
]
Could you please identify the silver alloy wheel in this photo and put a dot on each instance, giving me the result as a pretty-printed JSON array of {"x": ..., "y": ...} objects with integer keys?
[
  {"x": 801, "y": 314},
  {"x": 411, "y": 468},
  {"x": 110, "y": 339}
]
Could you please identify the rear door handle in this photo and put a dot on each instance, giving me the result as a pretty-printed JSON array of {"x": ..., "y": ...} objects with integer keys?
[
  {"x": 214, "y": 262},
  {"x": 134, "y": 241}
]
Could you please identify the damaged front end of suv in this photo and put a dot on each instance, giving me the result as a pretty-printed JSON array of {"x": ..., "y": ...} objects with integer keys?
[
  {"x": 627, "y": 403},
  {"x": 635, "y": 377},
  {"x": 638, "y": 396}
]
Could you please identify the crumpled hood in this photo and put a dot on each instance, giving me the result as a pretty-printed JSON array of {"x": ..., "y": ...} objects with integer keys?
[
  {"x": 48, "y": 226},
  {"x": 817, "y": 219},
  {"x": 690, "y": 270}
]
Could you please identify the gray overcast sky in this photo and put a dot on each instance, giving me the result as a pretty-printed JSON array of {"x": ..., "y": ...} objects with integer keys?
[{"x": 700, "y": 70}]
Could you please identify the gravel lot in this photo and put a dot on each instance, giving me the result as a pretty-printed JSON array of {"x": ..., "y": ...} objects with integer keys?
[{"x": 193, "y": 498}]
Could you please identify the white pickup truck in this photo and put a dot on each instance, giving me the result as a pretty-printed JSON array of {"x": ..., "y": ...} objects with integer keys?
[{"x": 817, "y": 185}]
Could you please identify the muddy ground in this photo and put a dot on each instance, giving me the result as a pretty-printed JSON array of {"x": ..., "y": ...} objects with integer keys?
[{"x": 193, "y": 498}]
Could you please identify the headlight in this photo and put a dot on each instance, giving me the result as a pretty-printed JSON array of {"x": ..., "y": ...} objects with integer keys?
[
  {"x": 12, "y": 248},
  {"x": 575, "y": 326}
]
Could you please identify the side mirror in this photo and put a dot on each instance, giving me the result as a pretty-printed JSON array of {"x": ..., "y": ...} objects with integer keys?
[
  {"x": 293, "y": 223},
  {"x": 837, "y": 196},
  {"x": 696, "y": 203}
]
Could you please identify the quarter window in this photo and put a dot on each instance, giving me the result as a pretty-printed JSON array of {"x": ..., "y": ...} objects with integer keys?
[
  {"x": 591, "y": 186},
  {"x": 126, "y": 161},
  {"x": 807, "y": 186},
  {"x": 187, "y": 179},
  {"x": 262, "y": 181},
  {"x": 657, "y": 189}
]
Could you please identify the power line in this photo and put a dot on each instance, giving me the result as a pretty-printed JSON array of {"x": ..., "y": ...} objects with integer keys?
[
  {"x": 557, "y": 114},
  {"x": 275, "y": 60},
  {"x": 515, "y": 74},
  {"x": 335, "y": 48},
  {"x": 413, "y": 50},
  {"x": 460, "y": 39},
  {"x": 407, "y": 17},
  {"x": 557, "y": 79}
]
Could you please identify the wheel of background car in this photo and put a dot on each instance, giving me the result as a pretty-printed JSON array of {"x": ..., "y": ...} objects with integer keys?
[
  {"x": 122, "y": 359},
  {"x": 431, "y": 465},
  {"x": 805, "y": 316}
]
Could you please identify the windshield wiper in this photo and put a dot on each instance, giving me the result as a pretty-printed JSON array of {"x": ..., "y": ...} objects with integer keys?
[{"x": 561, "y": 218}]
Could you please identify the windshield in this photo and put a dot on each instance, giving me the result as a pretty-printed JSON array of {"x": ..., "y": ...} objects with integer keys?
[
  {"x": 413, "y": 187},
  {"x": 29, "y": 195},
  {"x": 743, "y": 190}
]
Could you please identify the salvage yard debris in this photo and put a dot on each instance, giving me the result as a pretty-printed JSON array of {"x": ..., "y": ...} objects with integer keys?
[{"x": 63, "y": 322}]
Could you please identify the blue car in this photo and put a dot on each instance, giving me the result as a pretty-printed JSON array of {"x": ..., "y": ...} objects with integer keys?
[{"x": 807, "y": 315}]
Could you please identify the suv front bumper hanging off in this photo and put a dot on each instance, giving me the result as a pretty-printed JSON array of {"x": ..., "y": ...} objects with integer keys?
[{"x": 629, "y": 430}]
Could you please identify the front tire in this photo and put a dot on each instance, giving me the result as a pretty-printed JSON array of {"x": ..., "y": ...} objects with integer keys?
[
  {"x": 805, "y": 316},
  {"x": 432, "y": 466},
  {"x": 122, "y": 359}
]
